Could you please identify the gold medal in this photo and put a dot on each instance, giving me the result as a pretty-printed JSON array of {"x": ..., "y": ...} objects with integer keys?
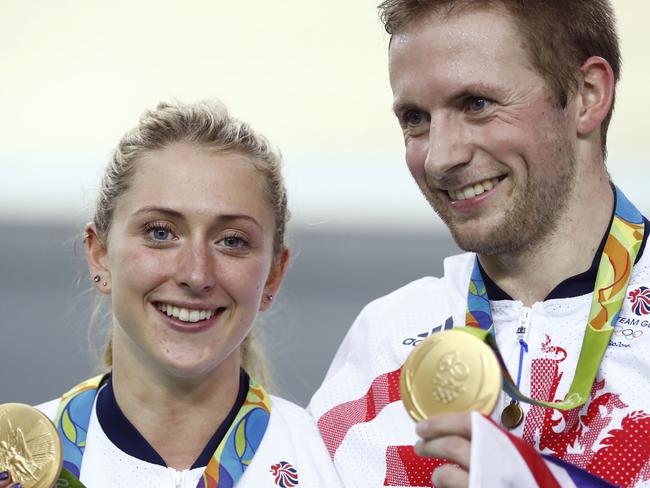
[
  {"x": 512, "y": 416},
  {"x": 30, "y": 447},
  {"x": 451, "y": 371}
]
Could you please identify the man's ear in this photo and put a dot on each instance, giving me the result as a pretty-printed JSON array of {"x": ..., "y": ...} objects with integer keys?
[
  {"x": 97, "y": 258},
  {"x": 274, "y": 280},
  {"x": 595, "y": 95}
]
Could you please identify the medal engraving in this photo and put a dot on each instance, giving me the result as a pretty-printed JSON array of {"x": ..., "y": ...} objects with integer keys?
[
  {"x": 450, "y": 371},
  {"x": 29, "y": 446},
  {"x": 448, "y": 381}
]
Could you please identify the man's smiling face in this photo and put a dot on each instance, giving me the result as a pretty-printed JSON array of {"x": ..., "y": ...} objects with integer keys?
[{"x": 485, "y": 139}]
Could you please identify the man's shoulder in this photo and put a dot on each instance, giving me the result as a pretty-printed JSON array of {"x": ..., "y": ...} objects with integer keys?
[{"x": 414, "y": 306}]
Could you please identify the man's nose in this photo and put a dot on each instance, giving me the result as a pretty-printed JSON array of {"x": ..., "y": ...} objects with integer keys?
[{"x": 449, "y": 146}]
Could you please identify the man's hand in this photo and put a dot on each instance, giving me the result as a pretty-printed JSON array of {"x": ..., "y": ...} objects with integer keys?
[{"x": 449, "y": 437}]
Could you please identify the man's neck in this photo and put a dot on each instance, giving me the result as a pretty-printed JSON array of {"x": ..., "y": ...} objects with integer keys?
[
  {"x": 530, "y": 275},
  {"x": 176, "y": 417}
]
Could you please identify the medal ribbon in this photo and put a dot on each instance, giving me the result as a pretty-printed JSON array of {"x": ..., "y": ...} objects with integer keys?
[
  {"x": 614, "y": 271},
  {"x": 227, "y": 465},
  {"x": 72, "y": 419}
]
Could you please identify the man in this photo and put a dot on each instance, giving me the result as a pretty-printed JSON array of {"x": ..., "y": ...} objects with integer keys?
[{"x": 504, "y": 106}]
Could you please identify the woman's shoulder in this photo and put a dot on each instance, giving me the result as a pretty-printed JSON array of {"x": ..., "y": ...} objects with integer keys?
[
  {"x": 286, "y": 411},
  {"x": 49, "y": 408},
  {"x": 293, "y": 447},
  {"x": 292, "y": 422}
]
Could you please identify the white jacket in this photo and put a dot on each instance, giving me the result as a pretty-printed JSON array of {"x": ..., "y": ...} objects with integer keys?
[
  {"x": 370, "y": 436},
  {"x": 291, "y": 437}
]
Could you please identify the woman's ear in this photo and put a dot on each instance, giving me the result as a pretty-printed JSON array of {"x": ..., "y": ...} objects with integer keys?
[
  {"x": 274, "y": 280},
  {"x": 97, "y": 258},
  {"x": 595, "y": 95}
]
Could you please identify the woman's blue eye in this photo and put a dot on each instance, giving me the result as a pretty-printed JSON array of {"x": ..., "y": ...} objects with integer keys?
[{"x": 159, "y": 233}]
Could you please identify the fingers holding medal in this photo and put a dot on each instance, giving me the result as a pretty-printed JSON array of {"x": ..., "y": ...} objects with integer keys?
[{"x": 447, "y": 376}]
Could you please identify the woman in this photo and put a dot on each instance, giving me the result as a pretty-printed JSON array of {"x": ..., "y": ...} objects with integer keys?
[{"x": 188, "y": 242}]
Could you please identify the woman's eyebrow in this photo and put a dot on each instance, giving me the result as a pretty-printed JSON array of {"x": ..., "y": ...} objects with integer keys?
[{"x": 170, "y": 212}]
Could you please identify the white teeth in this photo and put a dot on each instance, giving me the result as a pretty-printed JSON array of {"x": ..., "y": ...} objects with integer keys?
[
  {"x": 473, "y": 190},
  {"x": 185, "y": 314}
]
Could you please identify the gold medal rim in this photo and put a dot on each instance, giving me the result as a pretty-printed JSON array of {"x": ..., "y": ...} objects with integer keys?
[
  {"x": 409, "y": 392},
  {"x": 21, "y": 410}
]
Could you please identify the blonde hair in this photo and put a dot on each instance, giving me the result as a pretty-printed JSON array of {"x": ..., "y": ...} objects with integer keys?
[{"x": 209, "y": 125}]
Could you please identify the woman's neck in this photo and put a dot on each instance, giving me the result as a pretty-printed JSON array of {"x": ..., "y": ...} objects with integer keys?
[{"x": 177, "y": 416}]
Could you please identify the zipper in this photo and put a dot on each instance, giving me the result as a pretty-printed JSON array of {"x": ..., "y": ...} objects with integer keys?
[
  {"x": 179, "y": 478},
  {"x": 520, "y": 349},
  {"x": 523, "y": 329},
  {"x": 524, "y": 323}
]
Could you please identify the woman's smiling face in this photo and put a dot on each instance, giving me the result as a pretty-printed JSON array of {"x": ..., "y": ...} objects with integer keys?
[{"x": 189, "y": 257}]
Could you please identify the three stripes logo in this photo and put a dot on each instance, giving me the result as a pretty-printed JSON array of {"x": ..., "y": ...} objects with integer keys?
[{"x": 414, "y": 341}]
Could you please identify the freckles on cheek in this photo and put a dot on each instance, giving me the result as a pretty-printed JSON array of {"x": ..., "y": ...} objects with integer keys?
[
  {"x": 143, "y": 266},
  {"x": 252, "y": 281}
]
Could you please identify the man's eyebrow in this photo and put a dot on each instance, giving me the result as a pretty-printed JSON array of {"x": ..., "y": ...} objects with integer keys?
[
  {"x": 477, "y": 89},
  {"x": 401, "y": 107}
]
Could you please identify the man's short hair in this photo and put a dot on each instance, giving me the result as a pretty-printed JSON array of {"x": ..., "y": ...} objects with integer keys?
[{"x": 560, "y": 35}]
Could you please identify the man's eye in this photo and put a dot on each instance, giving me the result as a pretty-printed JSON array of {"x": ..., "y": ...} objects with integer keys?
[
  {"x": 477, "y": 104},
  {"x": 413, "y": 118}
]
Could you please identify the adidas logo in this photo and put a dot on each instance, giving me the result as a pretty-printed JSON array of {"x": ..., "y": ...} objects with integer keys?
[{"x": 414, "y": 341}]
